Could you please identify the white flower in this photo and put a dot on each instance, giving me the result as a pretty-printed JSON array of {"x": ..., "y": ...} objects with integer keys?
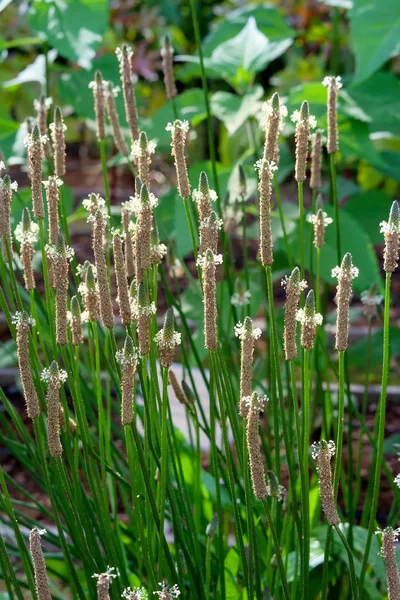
[
  {"x": 123, "y": 358},
  {"x": 316, "y": 449},
  {"x": 183, "y": 125},
  {"x": 134, "y": 203},
  {"x": 269, "y": 110},
  {"x": 53, "y": 180},
  {"x": 390, "y": 227},
  {"x": 93, "y": 85},
  {"x": 2, "y": 165},
  {"x": 371, "y": 299},
  {"x": 296, "y": 118},
  {"x": 314, "y": 219},
  {"x": 170, "y": 343},
  {"x": 173, "y": 591},
  {"x": 26, "y": 236},
  {"x": 158, "y": 250},
  {"x": 137, "y": 593},
  {"x": 279, "y": 493},
  {"x": 137, "y": 150},
  {"x": 119, "y": 53},
  {"x": 28, "y": 140},
  {"x": 397, "y": 480},
  {"x": 339, "y": 272},
  {"x": 115, "y": 232},
  {"x": 301, "y": 316},
  {"x": 231, "y": 213},
  {"x": 302, "y": 285},
  {"x": 256, "y": 403},
  {"x": 107, "y": 575},
  {"x": 39, "y": 531},
  {"x": 208, "y": 221},
  {"x": 81, "y": 269},
  {"x": 59, "y": 126},
  {"x": 23, "y": 316},
  {"x": 203, "y": 260},
  {"x": 13, "y": 185},
  {"x": 84, "y": 316},
  {"x": 241, "y": 298},
  {"x": 114, "y": 91},
  {"x": 241, "y": 331},
  {"x": 83, "y": 289},
  {"x": 333, "y": 81},
  {"x": 197, "y": 195},
  {"x": 47, "y": 375},
  {"x": 93, "y": 203},
  {"x": 51, "y": 252},
  {"x": 47, "y": 102},
  {"x": 323, "y": 137},
  {"x": 146, "y": 310},
  {"x": 265, "y": 165}
]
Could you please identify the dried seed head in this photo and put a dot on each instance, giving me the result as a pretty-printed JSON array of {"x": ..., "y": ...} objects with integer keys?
[
  {"x": 176, "y": 386},
  {"x": 208, "y": 262},
  {"x": 52, "y": 195},
  {"x": 106, "y": 309},
  {"x": 179, "y": 131},
  {"x": 209, "y": 229},
  {"x": 98, "y": 86},
  {"x": 275, "y": 112},
  {"x": 247, "y": 335},
  {"x": 42, "y": 108},
  {"x": 319, "y": 221},
  {"x": 391, "y": 231},
  {"x": 316, "y": 160},
  {"x": 26, "y": 233},
  {"x": 60, "y": 264},
  {"x": 127, "y": 358},
  {"x": 167, "y": 55},
  {"x": 167, "y": 338},
  {"x": 103, "y": 583},
  {"x": 294, "y": 286},
  {"x": 322, "y": 452},
  {"x": 119, "y": 140},
  {"x": 124, "y": 56},
  {"x": 333, "y": 84},
  {"x": 304, "y": 121},
  {"x": 203, "y": 197},
  {"x": 371, "y": 300},
  {"x": 143, "y": 322},
  {"x": 256, "y": 404},
  {"x": 265, "y": 172},
  {"x": 39, "y": 564},
  {"x": 35, "y": 157},
  {"x": 345, "y": 274},
  {"x": 122, "y": 280},
  {"x": 57, "y": 131},
  {"x": 23, "y": 321},
  {"x": 142, "y": 150},
  {"x": 388, "y": 552},
  {"x": 54, "y": 377},
  {"x": 309, "y": 319},
  {"x": 143, "y": 233}
]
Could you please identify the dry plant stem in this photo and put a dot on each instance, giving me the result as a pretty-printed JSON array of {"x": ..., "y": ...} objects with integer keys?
[
  {"x": 332, "y": 162},
  {"x": 301, "y": 225},
  {"x": 380, "y": 433}
]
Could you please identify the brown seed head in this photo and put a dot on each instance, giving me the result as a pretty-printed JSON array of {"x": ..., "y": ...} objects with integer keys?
[
  {"x": 39, "y": 565},
  {"x": 323, "y": 453},
  {"x": 294, "y": 286},
  {"x": 99, "y": 106},
  {"x": 23, "y": 322},
  {"x": 176, "y": 386},
  {"x": 57, "y": 131},
  {"x": 122, "y": 281},
  {"x": 266, "y": 171},
  {"x": 35, "y": 157},
  {"x": 106, "y": 309},
  {"x": 167, "y": 55},
  {"x": 389, "y": 556},
  {"x": 124, "y": 56},
  {"x": 345, "y": 274},
  {"x": 179, "y": 131},
  {"x": 256, "y": 405},
  {"x": 118, "y": 137},
  {"x": 391, "y": 230}
]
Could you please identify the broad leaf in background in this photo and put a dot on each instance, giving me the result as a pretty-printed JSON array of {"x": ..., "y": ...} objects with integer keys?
[
  {"x": 269, "y": 21},
  {"x": 75, "y": 28},
  {"x": 234, "y": 110},
  {"x": 35, "y": 72},
  {"x": 379, "y": 98},
  {"x": 240, "y": 58},
  {"x": 375, "y": 26},
  {"x": 357, "y": 353},
  {"x": 369, "y": 209}
]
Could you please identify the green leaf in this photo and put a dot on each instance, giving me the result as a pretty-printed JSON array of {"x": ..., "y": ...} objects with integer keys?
[
  {"x": 247, "y": 53},
  {"x": 357, "y": 352},
  {"x": 369, "y": 209},
  {"x": 74, "y": 28},
  {"x": 379, "y": 98},
  {"x": 7, "y": 127},
  {"x": 269, "y": 21},
  {"x": 36, "y": 71},
  {"x": 234, "y": 110},
  {"x": 375, "y": 30}
]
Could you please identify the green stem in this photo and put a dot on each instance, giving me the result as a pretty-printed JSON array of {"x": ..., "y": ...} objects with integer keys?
[
  {"x": 381, "y": 414},
  {"x": 332, "y": 159},
  {"x": 301, "y": 225},
  {"x": 282, "y": 220},
  {"x": 164, "y": 459},
  {"x": 305, "y": 413},
  {"x": 278, "y": 556},
  {"x": 352, "y": 571},
  {"x": 340, "y": 426}
]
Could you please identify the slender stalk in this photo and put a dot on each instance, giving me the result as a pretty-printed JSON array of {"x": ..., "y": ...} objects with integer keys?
[
  {"x": 275, "y": 540},
  {"x": 352, "y": 571},
  {"x": 340, "y": 426},
  {"x": 305, "y": 413},
  {"x": 301, "y": 225},
  {"x": 381, "y": 414},
  {"x": 105, "y": 176},
  {"x": 332, "y": 159},
  {"x": 164, "y": 458},
  {"x": 282, "y": 220}
]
